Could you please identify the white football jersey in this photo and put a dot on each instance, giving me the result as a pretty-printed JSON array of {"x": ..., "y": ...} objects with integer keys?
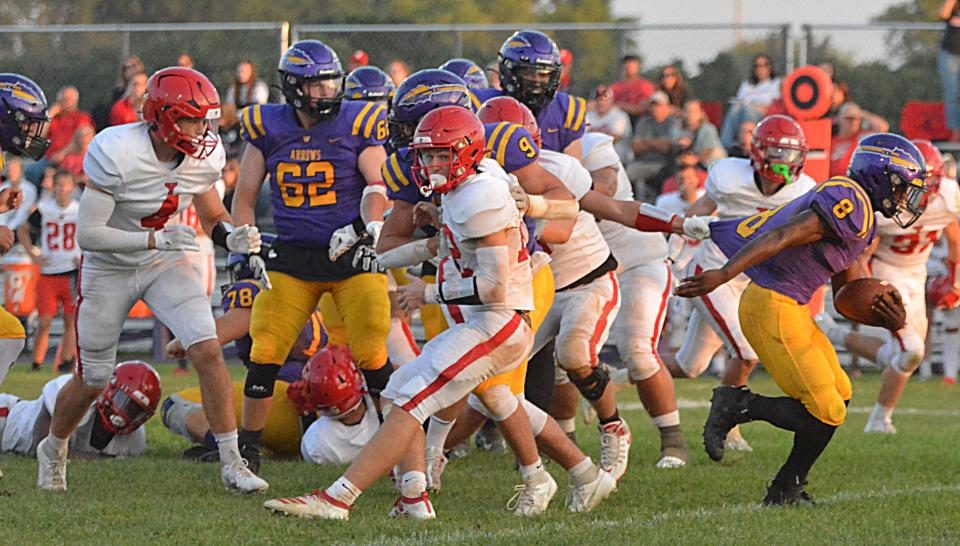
[
  {"x": 731, "y": 185},
  {"x": 149, "y": 194},
  {"x": 18, "y": 432},
  {"x": 673, "y": 202},
  {"x": 58, "y": 236},
  {"x": 630, "y": 246},
  {"x": 910, "y": 248},
  {"x": 329, "y": 441},
  {"x": 586, "y": 248},
  {"x": 480, "y": 206}
]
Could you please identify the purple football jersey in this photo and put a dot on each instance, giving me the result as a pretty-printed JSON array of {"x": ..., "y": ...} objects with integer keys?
[
  {"x": 315, "y": 183},
  {"x": 797, "y": 272},
  {"x": 561, "y": 122}
]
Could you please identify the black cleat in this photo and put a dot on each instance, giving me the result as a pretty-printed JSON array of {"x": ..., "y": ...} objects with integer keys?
[
  {"x": 488, "y": 438},
  {"x": 249, "y": 441},
  {"x": 200, "y": 453},
  {"x": 728, "y": 409},
  {"x": 787, "y": 494}
]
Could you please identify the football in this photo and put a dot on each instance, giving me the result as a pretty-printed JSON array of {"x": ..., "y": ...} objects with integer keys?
[{"x": 855, "y": 300}]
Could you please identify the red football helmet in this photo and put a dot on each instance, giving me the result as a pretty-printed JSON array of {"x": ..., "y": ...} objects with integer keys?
[
  {"x": 459, "y": 132},
  {"x": 332, "y": 384},
  {"x": 176, "y": 93},
  {"x": 131, "y": 397},
  {"x": 934, "y": 161},
  {"x": 778, "y": 149},
  {"x": 510, "y": 109}
]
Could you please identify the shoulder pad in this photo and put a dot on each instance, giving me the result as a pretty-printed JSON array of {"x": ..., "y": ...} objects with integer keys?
[
  {"x": 252, "y": 125},
  {"x": 367, "y": 119},
  {"x": 598, "y": 151},
  {"x": 483, "y": 206},
  {"x": 575, "y": 109}
]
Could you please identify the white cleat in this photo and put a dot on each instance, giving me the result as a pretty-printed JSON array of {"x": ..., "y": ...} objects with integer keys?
[
  {"x": 237, "y": 477},
  {"x": 586, "y": 497},
  {"x": 316, "y": 505},
  {"x": 52, "y": 474},
  {"x": 836, "y": 333},
  {"x": 418, "y": 508},
  {"x": 735, "y": 441},
  {"x": 615, "y": 440},
  {"x": 436, "y": 462},
  {"x": 880, "y": 426},
  {"x": 669, "y": 461},
  {"x": 532, "y": 500}
]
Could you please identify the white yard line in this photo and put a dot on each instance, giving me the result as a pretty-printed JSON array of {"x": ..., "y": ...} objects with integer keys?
[
  {"x": 630, "y": 522},
  {"x": 684, "y": 403}
]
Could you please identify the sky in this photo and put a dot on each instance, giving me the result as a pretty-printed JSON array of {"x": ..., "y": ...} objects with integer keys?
[{"x": 694, "y": 46}]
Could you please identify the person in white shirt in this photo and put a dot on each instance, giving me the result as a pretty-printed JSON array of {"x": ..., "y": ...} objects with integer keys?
[
  {"x": 141, "y": 175},
  {"x": 609, "y": 119},
  {"x": 14, "y": 218},
  {"x": 753, "y": 98}
]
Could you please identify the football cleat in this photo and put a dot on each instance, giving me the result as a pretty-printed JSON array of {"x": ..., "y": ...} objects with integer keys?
[
  {"x": 532, "y": 499},
  {"x": 490, "y": 439},
  {"x": 459, "y": 451},
  {"x": 735, "y": 441},
  {"x": 52, "y": 475},
  {"x": 316, "y": 505},
  {"x": 586, "y": 497},
  {"x": 587, "y": 412},
  {"x": 728, "y": 408},
  {"x": 673, "y": 449},
  {"x": 418, "y": 508},
  {"x": 880, "y": 426},
  {"x": 615, "y": 440},
  {"x": 787, "y": 494},
  {"x": 238, "y": 477},
  {"x": 436, "y": 462},
  {"x": 669, "y": 461},
  {"x": 949, "y": 380},
  {"x": 250, "y": 452}
]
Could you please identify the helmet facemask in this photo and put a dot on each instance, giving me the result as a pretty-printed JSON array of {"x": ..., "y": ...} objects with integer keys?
[
  {"x": 441, "y": 176},
  {"x": 909, "y": 199},
  {"x": 320, "y": 108},
  {"x": 534, "y": 85},
  {"x": 31, "y": 141}
]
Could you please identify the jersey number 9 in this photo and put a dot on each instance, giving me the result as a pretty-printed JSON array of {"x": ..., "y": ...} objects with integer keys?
[{"x": 296, "y": 193}]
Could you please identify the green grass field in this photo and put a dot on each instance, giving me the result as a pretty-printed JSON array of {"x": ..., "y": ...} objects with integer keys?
[{"x": 902, "y": 489}]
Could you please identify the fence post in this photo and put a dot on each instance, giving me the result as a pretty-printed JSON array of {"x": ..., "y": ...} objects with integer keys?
[
  {"x": 284, "y": 37},
  {"x": 124, "y": 44},
  {"x": 805, "y": 46},
  {"x": 787, "y": 49},
  {"x": 458, "y": 43}
]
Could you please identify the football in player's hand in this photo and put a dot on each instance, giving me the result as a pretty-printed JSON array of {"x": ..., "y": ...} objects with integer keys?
[{"x": 856, "y": 299}]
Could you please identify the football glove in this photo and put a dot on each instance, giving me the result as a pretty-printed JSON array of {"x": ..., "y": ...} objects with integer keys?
[
  {"x": 176, "y": 237},
  {"x": 366, "y": 260},
  {"x": 342, "y": 240},
  {"x": 244, "y": 239},
  {"x": 259, "y": 268}
]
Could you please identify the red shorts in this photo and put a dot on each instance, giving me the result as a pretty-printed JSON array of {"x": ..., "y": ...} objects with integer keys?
[{"x": 55, "y": 291}]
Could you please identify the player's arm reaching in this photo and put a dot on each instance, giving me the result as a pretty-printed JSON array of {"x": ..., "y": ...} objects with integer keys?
[
  {"x": 253, "y": 172},
  {"x": 215, "y": 220},
  {"x": 373, "y": 204}
]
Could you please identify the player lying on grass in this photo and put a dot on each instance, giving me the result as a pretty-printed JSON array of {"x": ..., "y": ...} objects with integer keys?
[
  {"x": 788, "y": 253},
  {"x": 111, "y": 427}
]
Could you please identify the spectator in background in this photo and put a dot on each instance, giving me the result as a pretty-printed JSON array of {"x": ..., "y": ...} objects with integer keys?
[
  {"x": 689, "y": 188},
  {"x": 652, "y": 146},
  {"x": 398, "y": 71},
  {"x": 231, "y": 171},
  {"x": 246, "y": 88},
  {"x": 948, "y": 62},
  {"x": 357, "y": 59},
  {"x": 841, "y": 96},
  {"x": 230, "y": 131},
  {"x": 72, "y": 161},
  {"x": 15, "y": 179},
  {"x": 744, "y": 138},
  {"x": 697, "y": 133},
  {"x": 127, "y": 108},
  {"x": 185, "y": 60},
  {"x": 131, "y": 66},
  {"x": 753, "y": 97},
  {"x": 566, "y": 59},
  {"x": 632, "y": 93},
  {"x": 606, "y": 118},
  {"x": 671, "y": 83},
  {"x": 67, "y": 118},
  {"x": 493, "y": 75},
  {"x": 684, "y": 160},
  {"x": 849, "y": 132}
]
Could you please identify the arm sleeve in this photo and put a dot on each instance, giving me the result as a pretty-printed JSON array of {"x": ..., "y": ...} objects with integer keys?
[{"x": 93, "y": 233}]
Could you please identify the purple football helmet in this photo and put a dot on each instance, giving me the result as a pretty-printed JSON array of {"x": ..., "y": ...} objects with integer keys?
[
  {"x": 417, "y": 95},
  {"x": 309, "y": 60},
  {"x": 23, "y": 116},
  {"x": 892, "y": 171},
  {"x": 469, "y": 72},
  {"x": 369, "y": 83},
  {"x": 530, "y": 68}
]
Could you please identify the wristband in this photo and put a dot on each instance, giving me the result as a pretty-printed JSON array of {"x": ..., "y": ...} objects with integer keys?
[{"x": 220, "y": 233}]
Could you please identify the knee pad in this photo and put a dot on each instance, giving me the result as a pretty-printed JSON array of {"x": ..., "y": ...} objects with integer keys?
[
  {"x": 537, "y": 417},
  {"x": 96, "y": 372},
  {"x": 377, "y": 379},
  {"x": 592, "y": 385},
  {"x": 260, "y": 380},
  {"x": 642, "y": 364},
  {"x": 911, "y": 348},
  {"x": 174, "y": 414},
  {"x": 499, "y": 401}
]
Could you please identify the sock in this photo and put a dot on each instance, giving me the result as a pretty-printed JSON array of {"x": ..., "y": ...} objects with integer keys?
[
  {"x": 56, "y": 446},
  {"x": 229, "y": 449},
  {"x": 781, "y": 412},
  {"x": 808, "y": 444},
  {"x": 400, "y": 347},
  {"x": 667, "y": 419},
  {"x": 611, "y": 419},
  {"x": 881, "y": 413},
  {"x": 533, "y": 473},
  {"x": 345, "y": 492},
  {"x": 568, "y": 425},
  {"x": 539, "y": 385},
  {"x": 672, "y": 437},
  {"x": 951, "y": 354},
  {"x": 583, "y": 472},
  {"x": 413, "y": 484},
  {"x": 437, "y": 432}
]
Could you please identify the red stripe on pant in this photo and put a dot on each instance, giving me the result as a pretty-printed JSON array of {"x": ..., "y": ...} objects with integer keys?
[
  {"x": 663, "y": 307},
  {"x": 717, "y": 317},
  {"x": 477, "y": 352},
  {"x": 454, "y": 310},
  {"x": 77, "y": 365},
  {"x": 409, "y": 335},
  {"x": 604, "y": 317}
]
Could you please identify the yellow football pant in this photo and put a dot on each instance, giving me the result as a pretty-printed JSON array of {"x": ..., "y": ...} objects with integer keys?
[
  {"x": 795, "y": 352},
  {"x": 282, "y": 433},
  {"x": 361, "y": 301}
]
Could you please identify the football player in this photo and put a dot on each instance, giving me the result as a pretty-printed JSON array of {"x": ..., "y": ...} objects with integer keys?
[
  {"x": 369, "y": 83},
  {"x": 789, "y": 252},
  {"x": 59, "y": 257},
  {"x": 736, "y": 188},
  {"x": 141, "y": 175},
  {"x": 484, "y": 237},
  {"x": 468, "y": 71},
  {"x": 323, "y": 157},
  {"x": 901, "y": 259},
  {"x": 110, "y": 427}
]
